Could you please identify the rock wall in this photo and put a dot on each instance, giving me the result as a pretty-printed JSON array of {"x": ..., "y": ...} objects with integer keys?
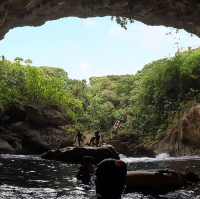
[
  {"x": 182, "y": 14},
  {"x": 184, "y": 138},
  {"x": 33, "y": 129}
]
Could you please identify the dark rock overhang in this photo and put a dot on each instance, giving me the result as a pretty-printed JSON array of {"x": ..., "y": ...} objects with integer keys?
[{"x": 181, "y": 14}]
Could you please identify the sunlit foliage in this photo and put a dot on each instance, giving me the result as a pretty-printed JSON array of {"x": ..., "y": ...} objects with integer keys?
[{"x": 21, "y": 84}]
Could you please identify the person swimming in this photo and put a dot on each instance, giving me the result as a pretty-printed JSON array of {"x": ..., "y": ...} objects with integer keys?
[
  {"x": 110, "y": 179},
  {"x": 159, "y": 181},
  {"x": 86, "y": 169}
]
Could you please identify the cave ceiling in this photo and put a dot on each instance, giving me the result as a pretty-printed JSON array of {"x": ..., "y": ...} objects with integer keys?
[{"x": 181, "y": 14}]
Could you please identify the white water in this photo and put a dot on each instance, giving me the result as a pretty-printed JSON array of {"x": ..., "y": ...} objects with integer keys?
[
  {"x": 164, "y": 157},
  {"x": 31, "y": 157}
]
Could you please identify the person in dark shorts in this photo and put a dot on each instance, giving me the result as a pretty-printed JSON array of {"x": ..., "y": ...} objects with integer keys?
[
  {"x": 97, "y": 137},
  {"x": 86, "y": 169},
  {"x": 110, "y": 179},
  {"x": 79, "y": 137}
]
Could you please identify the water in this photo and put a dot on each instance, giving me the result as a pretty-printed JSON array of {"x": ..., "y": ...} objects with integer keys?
[{"x": 30, "y": 177}]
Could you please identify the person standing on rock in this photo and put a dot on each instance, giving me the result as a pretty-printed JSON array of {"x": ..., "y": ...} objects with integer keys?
[
  {"x": 97, "y": 137},
  {"x": 79, "y": 137}
]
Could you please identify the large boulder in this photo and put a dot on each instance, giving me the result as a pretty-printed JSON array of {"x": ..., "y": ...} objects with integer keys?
[
  {"x": 6, "y": 148},
  {"x": 34, "y": 129},
  {"x": 141, "y": 151},
  {"x": 9, "y": 144},
  {"x": 43, "y": 116},
  {"x": 123, "y": 142},
  {"x": 40, "y": 140},
  {"x": 74, "y": 155}
]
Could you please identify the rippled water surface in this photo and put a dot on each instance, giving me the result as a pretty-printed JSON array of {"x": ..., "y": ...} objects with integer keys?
[{"x": 28, "y": 177}]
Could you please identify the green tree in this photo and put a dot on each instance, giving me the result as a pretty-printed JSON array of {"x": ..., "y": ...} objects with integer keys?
[
  {"x": 28, "y": 61},
  {"x": 18, "y": 59},
  {"x": 122, "y": 21}
]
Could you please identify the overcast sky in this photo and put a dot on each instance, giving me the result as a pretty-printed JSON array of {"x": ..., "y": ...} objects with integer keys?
[{"x": 93, "y": 46}]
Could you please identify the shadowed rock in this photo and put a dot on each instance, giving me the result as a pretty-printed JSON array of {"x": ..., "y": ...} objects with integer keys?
[
  {"x": 6, "y": 148},
  {"x": 74, "y": 155},
  {"x": 33, "y": 129},
  {"x": 129, "y": 144},
  {"x": 40, "y": 140}
]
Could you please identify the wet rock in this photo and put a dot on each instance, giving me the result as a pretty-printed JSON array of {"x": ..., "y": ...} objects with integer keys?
[{"x": 74, "y": 155}]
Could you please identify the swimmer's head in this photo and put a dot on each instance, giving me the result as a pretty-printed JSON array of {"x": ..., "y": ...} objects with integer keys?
[
  {"x": 110, "y": 178},
  {"x": 88, "y": 160}
]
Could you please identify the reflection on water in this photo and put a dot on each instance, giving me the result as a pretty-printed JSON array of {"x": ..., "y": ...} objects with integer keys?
[{"x": 29, "y": 177}]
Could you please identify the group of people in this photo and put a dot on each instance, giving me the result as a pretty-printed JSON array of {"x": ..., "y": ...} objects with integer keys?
[
  {"x": 94, "y": 141},
  {"x": 111, "y": 178}
]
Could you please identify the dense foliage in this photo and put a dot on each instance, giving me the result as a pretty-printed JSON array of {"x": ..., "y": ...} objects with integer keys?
[
  {"x": 21, "y": 84},
  {"x": 147, "y": 103},
  {"x": 150, "y": 101}
]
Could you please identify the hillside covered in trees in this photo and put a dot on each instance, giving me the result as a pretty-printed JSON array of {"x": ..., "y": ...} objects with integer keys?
[{"x": 148, "y": 103}]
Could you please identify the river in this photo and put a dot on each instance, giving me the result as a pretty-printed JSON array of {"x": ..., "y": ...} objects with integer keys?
[{"x": 30, "y": 177}]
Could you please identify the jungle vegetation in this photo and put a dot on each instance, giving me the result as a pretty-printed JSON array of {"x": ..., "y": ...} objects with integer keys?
[{"x": 148, "y": 103}]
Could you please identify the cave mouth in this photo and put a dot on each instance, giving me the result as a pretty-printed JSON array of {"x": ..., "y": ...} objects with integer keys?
[{"x": 170, "y": 13}]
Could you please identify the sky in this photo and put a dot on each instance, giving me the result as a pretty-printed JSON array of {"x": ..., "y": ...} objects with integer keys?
[{"x": 94, "y": 46}]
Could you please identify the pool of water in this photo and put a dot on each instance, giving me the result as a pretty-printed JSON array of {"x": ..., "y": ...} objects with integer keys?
[{"x": 30, "y": 177}]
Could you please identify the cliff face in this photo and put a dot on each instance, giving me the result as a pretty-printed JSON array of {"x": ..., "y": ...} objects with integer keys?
[
  {"x": 33, "y": 129},
  {"x": 182, "y": 14},
  {"x": 184, "y": 138}
]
